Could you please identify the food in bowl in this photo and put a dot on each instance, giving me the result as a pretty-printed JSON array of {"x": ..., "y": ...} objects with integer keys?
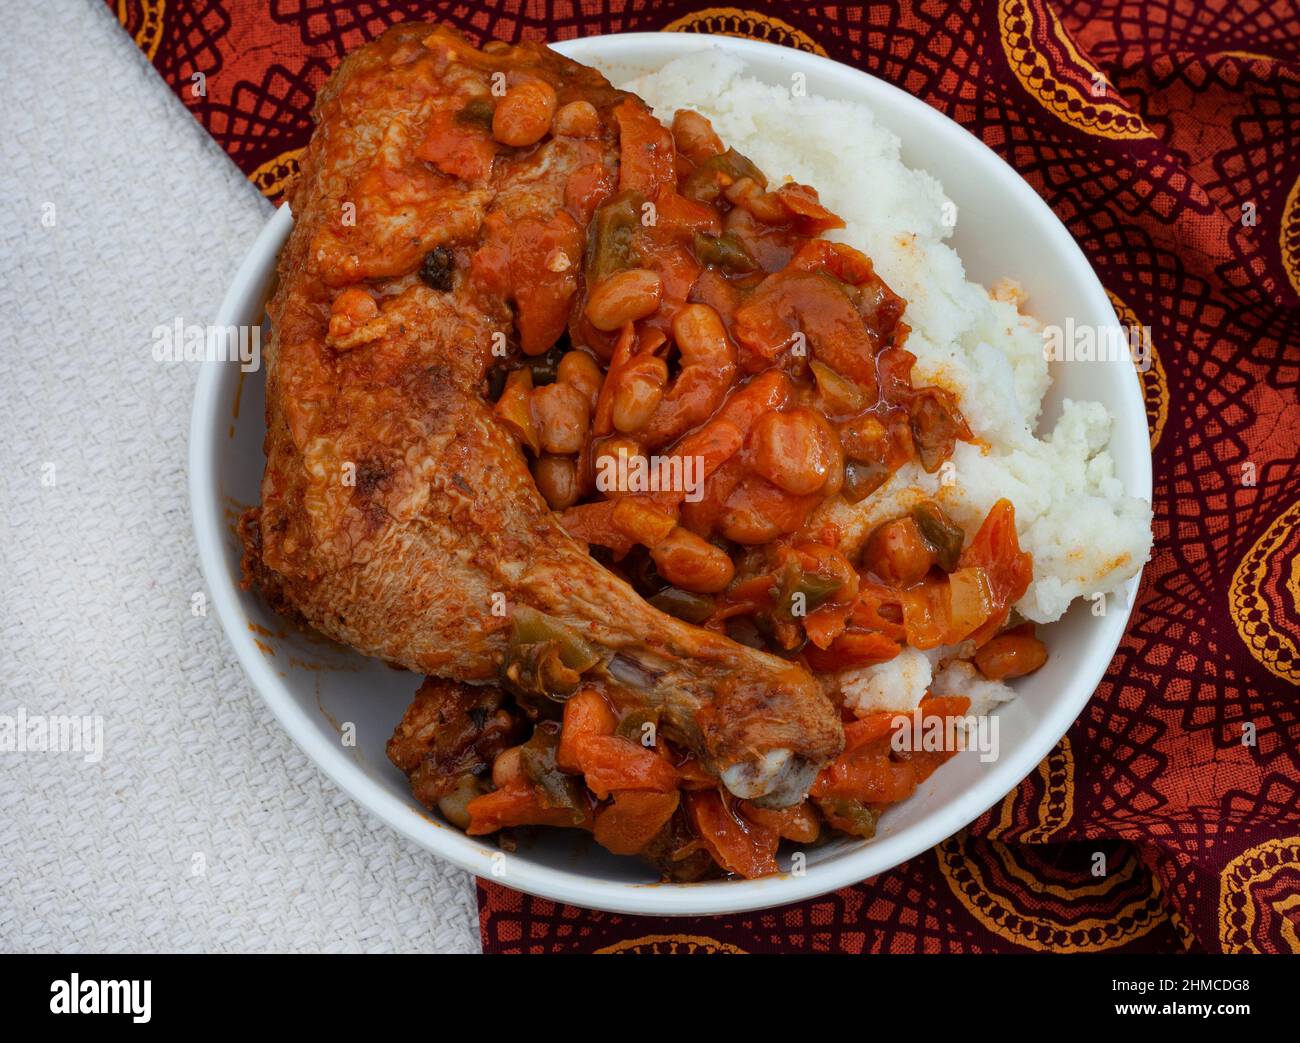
[{"x": 675, "y": 495}]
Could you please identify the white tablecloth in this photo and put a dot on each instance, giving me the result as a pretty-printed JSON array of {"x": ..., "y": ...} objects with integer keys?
[{"x": 202, "y": 827}]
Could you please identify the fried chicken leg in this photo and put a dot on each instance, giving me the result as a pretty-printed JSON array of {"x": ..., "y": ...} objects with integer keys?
[{"x": 398, "y": 515}]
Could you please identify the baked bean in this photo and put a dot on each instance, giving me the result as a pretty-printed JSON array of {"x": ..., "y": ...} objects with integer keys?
[
  {"x": 562, "y": 413},
  {"x": 745, "y": 524},
  {"x": 610, "y": 449},
  {"x": 524, "y": 115},
  {"x": 455, "y": 805},
  {"x": 640, "y": 387},
  {"x": 557, "y": 480},
  {"x": 581, "y": 371},
  {"x": 751, "y": 196},
  {"x": 695, "y": 137},
  {"x": 1012, "y": 654},
  {"x": 508, "y": 767},
  {"x": 792, "y": 450},
  {"x": 865, "y": 439},
  {"x": 625, "y": 296},
  {"x": 758, "y": 512},
  {"x": 708, "y": 366},
  {"x": 897, "y": 553},
  {"x": 692, "y": 563},
  {"x": 617, "y": 445},
  {"x": 702, "y": 339},
  {"x": 578, "y": 119}
]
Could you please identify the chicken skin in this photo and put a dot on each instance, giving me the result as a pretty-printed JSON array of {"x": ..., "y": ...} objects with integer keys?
[{"x": 399, "y": 515}]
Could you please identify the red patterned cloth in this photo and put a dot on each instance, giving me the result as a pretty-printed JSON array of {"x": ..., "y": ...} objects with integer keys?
[{"x": 1182, "y": 183}]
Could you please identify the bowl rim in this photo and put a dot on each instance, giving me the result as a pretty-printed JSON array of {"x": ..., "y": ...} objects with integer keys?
[{"x": 572, "y": 887}]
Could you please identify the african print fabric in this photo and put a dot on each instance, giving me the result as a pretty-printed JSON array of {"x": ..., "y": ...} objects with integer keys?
[{"x": 1166, "y": 136}]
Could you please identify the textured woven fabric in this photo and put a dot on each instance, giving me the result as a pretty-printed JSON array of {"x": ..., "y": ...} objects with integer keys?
[
  {"x": 1165, "y": 135},
  {"x": 150, "y": 222}
]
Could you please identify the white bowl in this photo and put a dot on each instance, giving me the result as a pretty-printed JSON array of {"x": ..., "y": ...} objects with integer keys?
[{"x": 313, "y": 687}]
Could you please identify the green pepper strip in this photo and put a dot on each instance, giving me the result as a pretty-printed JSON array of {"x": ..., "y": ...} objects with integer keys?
[
  {"x": 938, "y": 530},
  {"x": 815, "y": 588},
  {"x": 537, "y": 756},
  {"x": 723, "y": 251},
  {"x": 610, "y": 247}
]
